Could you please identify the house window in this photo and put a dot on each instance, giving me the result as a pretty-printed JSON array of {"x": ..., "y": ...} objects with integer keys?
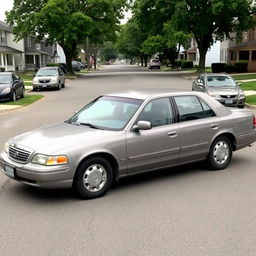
[
  {"x": 2, "y": 36},
  {"x": 9, "y": 60},
  {"x": 253, "y": 55},
  {"x": 221, "y": 55},
  {"x": 244, "y": 55},
  {"x": 29, "y": 59},
  {"x": 29, "y": 42}
]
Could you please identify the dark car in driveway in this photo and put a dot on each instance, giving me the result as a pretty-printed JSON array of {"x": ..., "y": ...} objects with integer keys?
[
  {"x": 221, "y": 87},
  {"x": 11, "y": 86}
]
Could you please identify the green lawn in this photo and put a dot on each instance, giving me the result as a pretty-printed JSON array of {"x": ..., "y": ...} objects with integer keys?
[
  {"x": 249, "y": 86},
  {"x": 251, "y": 99},
  {"x": 27, "y": 76},
  {"x": 29, "y": 99},
  {"x": 244, "y": 77}
]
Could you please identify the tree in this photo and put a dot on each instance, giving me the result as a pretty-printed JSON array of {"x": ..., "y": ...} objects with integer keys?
[
  {"x": 109, "y": 51},
  {"x": 67, "y": 22},
  {"x": 212, "y": 20}
]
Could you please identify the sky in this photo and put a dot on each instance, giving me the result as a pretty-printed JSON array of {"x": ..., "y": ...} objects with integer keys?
[{"x": 5, "y": 5}]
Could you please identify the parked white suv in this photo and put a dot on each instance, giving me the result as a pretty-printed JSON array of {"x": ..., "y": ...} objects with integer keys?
[
  {"x": 154, "y": 63},
  {"x": 49, "y": 77}
]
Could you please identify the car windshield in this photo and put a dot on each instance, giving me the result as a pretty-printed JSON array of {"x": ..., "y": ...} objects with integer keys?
[
  {"x": 220, "y": 81},
  {"x": 5, "y": 79},
  {"x": 47, "y": 72},
  {"x": 107, "y": 113}
]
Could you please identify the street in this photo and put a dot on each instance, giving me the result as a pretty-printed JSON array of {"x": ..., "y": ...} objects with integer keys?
[{"x": 185, "y": 210}]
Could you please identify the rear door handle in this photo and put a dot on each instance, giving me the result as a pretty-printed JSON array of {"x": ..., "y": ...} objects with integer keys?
[
  {"x": 172, "y": 134},
  {"x": 214, "y": 126}
]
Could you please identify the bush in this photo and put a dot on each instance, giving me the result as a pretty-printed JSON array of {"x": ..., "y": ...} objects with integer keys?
[
  {"x": 2, "y": 69},
  {"x": 229, "y": 68},
  {"x": 178, "y": 62},
  {"x": 218, "y": 67},
  {"x": 52, "y": 64},
  {"x": 241, "y": 66},
  {"x": 187, "y": 64}
]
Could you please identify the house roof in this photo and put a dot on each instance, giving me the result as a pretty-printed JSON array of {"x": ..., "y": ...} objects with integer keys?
[
  {"x": 33, "y": 51},
  {"x": 8, "y": 49},
  {"x": 248, "y": 45},
  {"x": 5, "y": 26}
]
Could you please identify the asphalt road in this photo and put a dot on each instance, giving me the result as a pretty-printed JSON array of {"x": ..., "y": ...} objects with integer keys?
[{"x": 180, "y": 211}]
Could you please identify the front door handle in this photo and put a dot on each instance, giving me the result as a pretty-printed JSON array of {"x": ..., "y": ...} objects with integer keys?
[
  {"x": 214, "y": 126},
  {"x": 172, "y": 134}
]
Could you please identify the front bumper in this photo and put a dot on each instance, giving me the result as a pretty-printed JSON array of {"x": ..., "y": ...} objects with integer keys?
[
  {"x": 45, "y": 85},
  {"x": 237, "y": 102},
  {"x": 7, "y": 96},
  {"x": 38, "y": 175}
]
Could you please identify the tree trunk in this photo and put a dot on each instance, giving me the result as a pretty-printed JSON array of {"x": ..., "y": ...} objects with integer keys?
[
  {"x": 69, "y": 57},
  {"x": 202, "y": 57},
  {"x": 146, "y": 60},
  {"x": 141, "y": 61}
]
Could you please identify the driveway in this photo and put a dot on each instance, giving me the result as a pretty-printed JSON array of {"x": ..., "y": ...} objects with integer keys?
[{"x": 180, "y": 211}]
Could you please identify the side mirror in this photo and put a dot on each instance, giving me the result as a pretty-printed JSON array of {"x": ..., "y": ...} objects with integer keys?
[{"x": 142, "y": 126}]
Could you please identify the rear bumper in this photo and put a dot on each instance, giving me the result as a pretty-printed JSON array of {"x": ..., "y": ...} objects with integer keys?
[{"x": 38, "y": 175}]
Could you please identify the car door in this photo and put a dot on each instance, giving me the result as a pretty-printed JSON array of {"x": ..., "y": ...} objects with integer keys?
[
  {"x": 16, "y": 85},
  {"x": 157, "y": 147},
  {"x": 198, "y": 125}
]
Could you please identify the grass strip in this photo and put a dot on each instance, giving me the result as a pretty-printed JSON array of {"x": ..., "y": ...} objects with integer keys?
[
  {"x": 251, "y": 99},
  {"x": 29, "y": 99}
]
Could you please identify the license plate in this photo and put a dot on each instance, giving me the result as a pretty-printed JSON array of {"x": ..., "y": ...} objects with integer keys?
[
  {"x": 9, "y": 171},
  {"x": 45, "y": 85},
  {"x": 228, "y": 101}
]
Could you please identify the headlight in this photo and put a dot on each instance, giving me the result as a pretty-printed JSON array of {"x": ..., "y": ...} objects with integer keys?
[
  {"x": 54, "y": 80},
  {"x": 241, "y": 93},
  {"x": 6, "y": 90},
  {"x": 35, "y": 81},
  {"x": 6, "y": 147},
  {"x": 213, "y": 94},
  {"x": 49, "y": 160}
]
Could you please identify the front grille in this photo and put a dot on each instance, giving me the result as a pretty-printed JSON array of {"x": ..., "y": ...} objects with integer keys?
[
  {"x": 44, "y": 81},
  {"x": 18, "y": 154},
  {"x": 228, "y": 96}
]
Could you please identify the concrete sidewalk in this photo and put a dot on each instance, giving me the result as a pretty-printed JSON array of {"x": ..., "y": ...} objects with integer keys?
[{"x": 8, "y": 107}]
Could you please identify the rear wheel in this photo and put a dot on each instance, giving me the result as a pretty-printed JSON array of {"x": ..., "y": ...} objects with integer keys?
[
  {"x": 220, "y": 153},
  {"x": 93, "y": 178}
]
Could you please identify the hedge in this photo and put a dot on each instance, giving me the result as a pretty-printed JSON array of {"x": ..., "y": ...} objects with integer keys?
[
  {"x": 241, "y": 66},
  {"x": 187, "y": 64},
  {"x": 218, "y": 67},
  {"x": 229, "y": 68}
]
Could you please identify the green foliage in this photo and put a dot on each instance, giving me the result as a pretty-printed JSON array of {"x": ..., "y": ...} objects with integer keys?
[
  {"x": 109, "y": 51},
  {"x": 153, "y": 45},
  {"x": 211, "y": 20},
  {"x": 52, "y": 64},
  {"x": 218, "y": 67},
  {"x": 241, "y": 66},
  {"x": 187, "y": 64},
  {"x": 67, "y": 22},
  {"x": 229, "y": 68}
]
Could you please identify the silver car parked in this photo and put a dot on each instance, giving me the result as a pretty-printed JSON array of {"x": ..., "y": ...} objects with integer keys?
[
  {"x": 127, "y": 133},
  {"x": 221, "y": 87},
  {"x": 49, "y": 77}
]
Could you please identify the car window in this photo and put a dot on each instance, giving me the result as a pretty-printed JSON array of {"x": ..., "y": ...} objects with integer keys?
[
  {"x": 208, "y": 112},
  {"x": 108, "y": 112},
  {"x": 157, "y": 112},
  {"x": 5, "y": 79},
  {"x": 220, "y": 81},
  {"x": 189, "y": 108}
]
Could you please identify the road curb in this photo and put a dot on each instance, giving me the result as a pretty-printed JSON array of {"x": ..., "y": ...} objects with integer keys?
[{"x": 250, "y": 106}]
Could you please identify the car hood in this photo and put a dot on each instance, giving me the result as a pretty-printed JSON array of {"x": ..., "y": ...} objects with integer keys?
[
  {"x": 4, "y": 86},
  {"x": 55, "y": 139},
  {"x": 224, "y": 90}
]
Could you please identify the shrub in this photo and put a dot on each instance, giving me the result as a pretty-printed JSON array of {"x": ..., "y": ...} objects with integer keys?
[
  {"x": 52, "y": 64},
  {"x": 229, "y": 68},
  {"x": 2, "y": 69},
  {"x": 187, "y": 64},
  {"x": 218, "y": 67},
  {"x": 178, "y": 62},
  {"x": 241, "y": 66}
]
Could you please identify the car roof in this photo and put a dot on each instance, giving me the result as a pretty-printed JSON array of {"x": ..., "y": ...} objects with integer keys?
[
  {"x": 215, "y": 74},
  {"x": 6, "y": 73},
  {"x": 144, "y": 94},
  {"x": 54, "y": 67}
]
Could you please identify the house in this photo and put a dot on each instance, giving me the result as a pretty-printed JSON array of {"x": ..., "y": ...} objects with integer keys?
[
  {"x": 11, "y": 52},
  {"x": 192, "y": 53},
  {"x": 232, "y": 51},
  {"x": 38, "y": 54}
]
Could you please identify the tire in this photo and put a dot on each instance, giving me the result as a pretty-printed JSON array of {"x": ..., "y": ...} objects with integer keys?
[
  {"x": 63, "y": 85},
  {"x": 22, "y": 94},
  {"x": 93, "y": 178},
  {"x": 220, "y": 153},
  {"x": 59, "y": 87},
  {"x": 34, "y": 89},
  {"x": 14, "y": 96},
  {"x": 241, "y": 106}
]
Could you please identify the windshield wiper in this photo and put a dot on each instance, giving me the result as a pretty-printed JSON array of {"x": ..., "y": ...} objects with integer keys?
[{"x": 91, "y": 126}]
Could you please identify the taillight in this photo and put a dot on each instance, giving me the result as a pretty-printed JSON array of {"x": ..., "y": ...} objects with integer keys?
[{"x": 254, "y": 122}]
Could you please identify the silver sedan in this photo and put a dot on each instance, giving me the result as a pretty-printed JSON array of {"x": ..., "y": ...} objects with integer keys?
[{"x": 127, "y": 133}]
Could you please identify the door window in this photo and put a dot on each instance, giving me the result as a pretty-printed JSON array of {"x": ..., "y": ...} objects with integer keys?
[{"x": 157, "y": 112}]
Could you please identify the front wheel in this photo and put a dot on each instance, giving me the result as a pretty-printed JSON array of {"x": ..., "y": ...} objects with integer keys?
[
  {"x": 93, "y": 178},
  {"x": 14, "y": 97},
  {"x": 220, "y": 153}
]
